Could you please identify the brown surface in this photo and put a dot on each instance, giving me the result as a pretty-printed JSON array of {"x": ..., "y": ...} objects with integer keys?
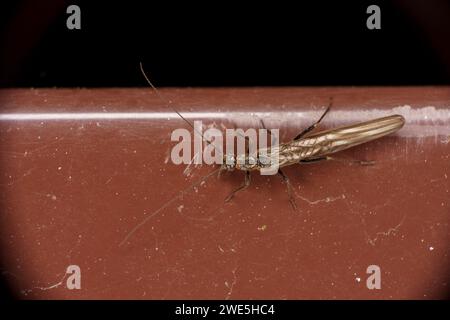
[{"x": 72, "y": 189}]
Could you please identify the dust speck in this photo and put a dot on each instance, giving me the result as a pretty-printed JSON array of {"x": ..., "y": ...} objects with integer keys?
[{"x": 262, "y": 228}]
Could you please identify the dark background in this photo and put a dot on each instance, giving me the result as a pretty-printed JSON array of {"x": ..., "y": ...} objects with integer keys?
[{"x": 224, "y": 43}]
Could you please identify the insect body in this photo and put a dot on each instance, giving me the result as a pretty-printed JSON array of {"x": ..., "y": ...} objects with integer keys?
[
  {"x": 311, "y": 147},
  {"x": 318, "y": 146},
  {"x": 305, "y": 147}
]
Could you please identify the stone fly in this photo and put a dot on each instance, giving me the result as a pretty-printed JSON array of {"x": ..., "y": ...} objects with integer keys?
[{"x": 306, "y": 147}]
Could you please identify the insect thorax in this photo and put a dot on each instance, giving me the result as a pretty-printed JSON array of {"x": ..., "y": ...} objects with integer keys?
[{"x": 246, "y": 162}]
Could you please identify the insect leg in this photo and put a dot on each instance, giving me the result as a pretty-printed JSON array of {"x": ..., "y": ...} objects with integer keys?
[
  {"x": 247, "y": 173},
  {"x": 289, "y": 189},
  {"x": 263, "y": 125},
  {"x": 281, "y": 173},
  {"x": 313, "y": 160},
  {"x": 242, "y": 187},
  {"x": 311, "y": 127},
  {"x": 351, "y": 161}
]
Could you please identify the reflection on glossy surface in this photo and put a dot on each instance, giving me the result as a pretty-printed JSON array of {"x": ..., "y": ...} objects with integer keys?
[{"x": 81, "y": 168}]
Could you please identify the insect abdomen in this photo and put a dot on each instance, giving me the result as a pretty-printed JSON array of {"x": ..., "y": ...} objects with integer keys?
[{"x": 338, "y": 139}]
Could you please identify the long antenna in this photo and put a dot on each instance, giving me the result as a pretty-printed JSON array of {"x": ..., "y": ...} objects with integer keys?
[
  {"x": 168, "y": 102},
  {"x": 165, "y": 205},
  {"x": 161, "y": 97},
  {"x": 181, "y": 193}
]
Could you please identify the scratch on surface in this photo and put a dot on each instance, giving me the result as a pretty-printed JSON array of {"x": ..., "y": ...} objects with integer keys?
[
  {"x": 53, "y": 286},
  {"x": 112, "y": 177},
  {"x": 372, "y": 240},
  {"x": 166, "y": 160},
  {"x": 326, "y": 200},
  {"x": 188, "y": 170},
  {"x": 231, "y": 286},
  {"x": 432, "y": 181},
  {"x": 45, "y": 146},
  {"x": 390, "y": 231},
  {"x": 218, "y": 210}
]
